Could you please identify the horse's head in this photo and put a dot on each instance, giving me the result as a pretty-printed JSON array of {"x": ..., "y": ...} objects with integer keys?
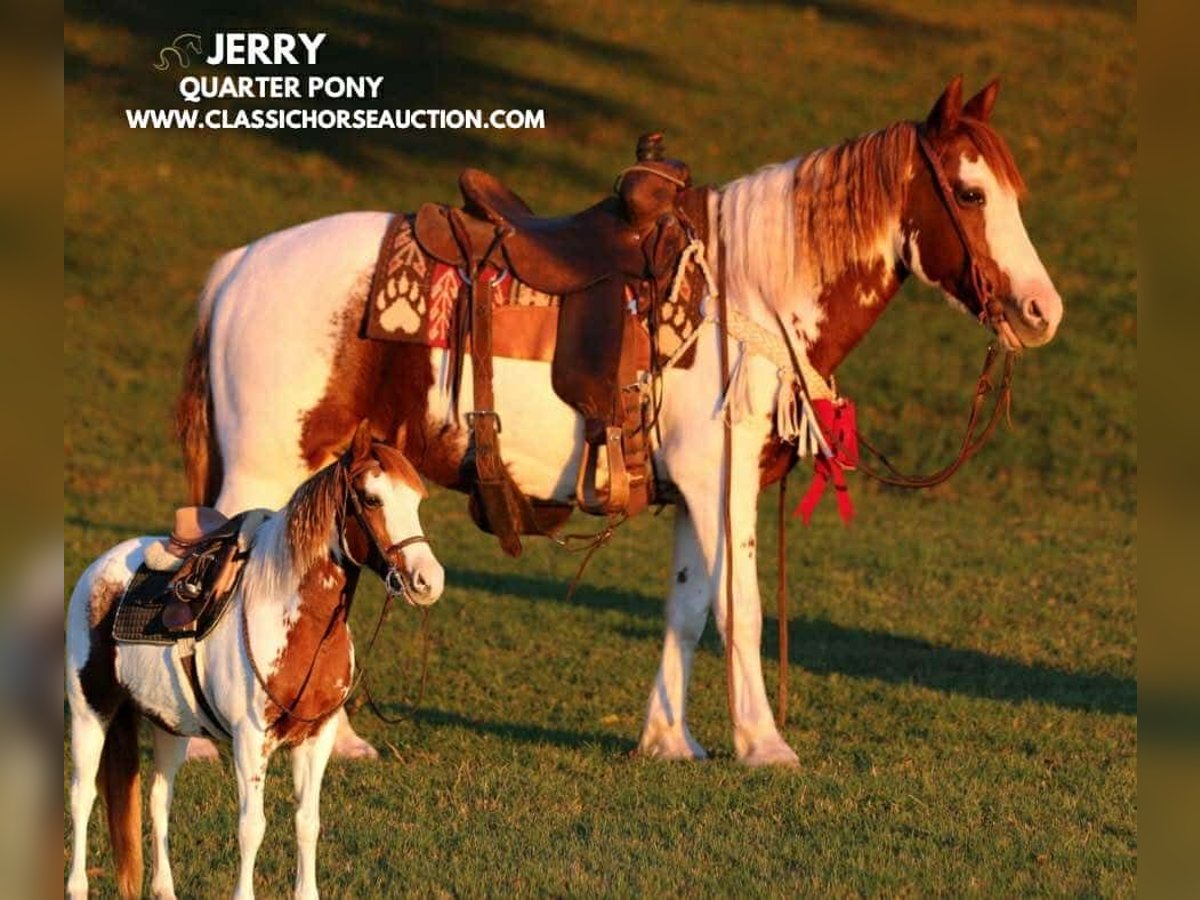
[
  {"x": 961, "y": 224},
  {"x": 381, "y": 524}
]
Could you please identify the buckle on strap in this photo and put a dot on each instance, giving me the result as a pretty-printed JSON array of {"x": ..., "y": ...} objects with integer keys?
[{"x": 485, "y": 412}]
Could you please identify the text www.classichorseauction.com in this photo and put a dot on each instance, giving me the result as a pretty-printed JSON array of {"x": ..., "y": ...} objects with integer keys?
[{"x": 284, "y": 49}]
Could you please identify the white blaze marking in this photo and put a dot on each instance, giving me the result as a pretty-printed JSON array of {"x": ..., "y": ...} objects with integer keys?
[{"x": 1007, "y": 240}]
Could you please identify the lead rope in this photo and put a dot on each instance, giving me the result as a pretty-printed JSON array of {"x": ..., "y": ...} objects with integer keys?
[{"x": 420, "y": 698}]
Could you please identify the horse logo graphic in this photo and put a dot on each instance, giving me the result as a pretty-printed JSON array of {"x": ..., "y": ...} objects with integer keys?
[{"x": 181, "y": 48}]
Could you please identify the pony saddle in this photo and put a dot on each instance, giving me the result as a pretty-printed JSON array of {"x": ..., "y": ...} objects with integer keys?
[{"x": 184, "y": 584}]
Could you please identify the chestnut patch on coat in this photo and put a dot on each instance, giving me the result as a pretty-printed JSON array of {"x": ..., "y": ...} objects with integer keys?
[
  {"x": 852, "y": 303},
  {"x": 775, "y": 460},
  {"x": 313, "y": 673},
  {"x": 98, "y": 677},
  {"x": 387, "y": 383}
]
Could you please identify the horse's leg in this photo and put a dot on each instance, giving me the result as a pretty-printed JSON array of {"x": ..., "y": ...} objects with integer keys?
[
  {"x": 347, "y": 743},
  {"x": 666, "y": 735},
  {"x": 87, "y": 743},
  {"x": 250, "y": 766},
  {"x": 755, "y": 735},
  {"x": 308, "y": 768},
  {"x": 169, "y": 753}
]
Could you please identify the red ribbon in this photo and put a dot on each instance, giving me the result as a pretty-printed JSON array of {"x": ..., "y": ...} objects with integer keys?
[{"x": 836, "y": 419}]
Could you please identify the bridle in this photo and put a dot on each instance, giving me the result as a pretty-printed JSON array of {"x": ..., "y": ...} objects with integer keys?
[
  {"x": 378, "y": 558},
  {"x": 395, "y": 584},
  {"x": 990, "y": 311}
]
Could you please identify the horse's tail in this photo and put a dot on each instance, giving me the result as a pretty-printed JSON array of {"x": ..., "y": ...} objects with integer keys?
[
  {"x": 194, "y": 411},
  {"x": 120, "y": 784}
]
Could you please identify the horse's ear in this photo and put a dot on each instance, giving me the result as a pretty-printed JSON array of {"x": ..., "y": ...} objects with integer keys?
[
  {"x": 945, "y": 112},
  {"x": 980, "y": 106},
  {"x": 360, "y": 444}
]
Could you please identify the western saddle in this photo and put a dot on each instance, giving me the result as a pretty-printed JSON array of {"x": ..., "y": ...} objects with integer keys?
[
  {"x": 609, "y": 264},
  {"x": 203, "y": 558}
]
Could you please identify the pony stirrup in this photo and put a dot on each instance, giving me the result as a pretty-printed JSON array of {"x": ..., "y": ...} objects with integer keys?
[{"x": 615, "y": 497}]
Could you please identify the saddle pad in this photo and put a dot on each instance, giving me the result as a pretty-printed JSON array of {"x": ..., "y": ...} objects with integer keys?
[
  {"x": 412, "y": 298},
  {"x": 139, "y": 614}
]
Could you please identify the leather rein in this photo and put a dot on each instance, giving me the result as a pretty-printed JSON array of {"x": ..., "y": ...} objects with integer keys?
[{"x": 395, "y": 584}]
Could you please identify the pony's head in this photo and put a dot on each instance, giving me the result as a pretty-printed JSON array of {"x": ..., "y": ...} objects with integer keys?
[
  {"x": 381, "y": 525},
  {"x": 961, "y": 207},
  {"x": 365, "y": 507}
]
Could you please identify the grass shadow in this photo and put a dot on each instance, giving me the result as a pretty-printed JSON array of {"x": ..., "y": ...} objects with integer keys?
[
  {"x": 525, "y": 733},
  {"x": 876, "y": 22},
  {"x": 540, "y": 589},
  {"x": 823, "y": 648}
]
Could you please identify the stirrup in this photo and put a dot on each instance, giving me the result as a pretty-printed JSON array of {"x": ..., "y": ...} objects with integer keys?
[{"x": 615, "y": 498}]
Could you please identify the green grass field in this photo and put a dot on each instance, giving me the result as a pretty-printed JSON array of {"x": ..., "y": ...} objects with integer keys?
[{"x": 964, "y": 695}]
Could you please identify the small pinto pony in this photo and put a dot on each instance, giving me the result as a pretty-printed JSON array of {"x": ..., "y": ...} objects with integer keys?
[
  {"x": 814, "y": 251},
  {"x": 273, "y": 671}
]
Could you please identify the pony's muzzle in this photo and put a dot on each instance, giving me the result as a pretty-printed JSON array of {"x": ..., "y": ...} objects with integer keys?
[{"x": 421, "y": 585}]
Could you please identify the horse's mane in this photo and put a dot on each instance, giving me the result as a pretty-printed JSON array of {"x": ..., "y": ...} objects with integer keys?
[
  {"x": 310, "y": 515},
  {"x": 848, "y": 196},
  {"x": 839, "y": 202}
]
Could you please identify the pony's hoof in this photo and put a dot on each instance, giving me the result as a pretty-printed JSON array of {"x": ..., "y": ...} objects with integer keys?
[
  {"x": 671, "y": 746},
  {"x": 201, "y": 750},
  {"x": 773, "y": 752},
  {"x": 352, "y": 746}
]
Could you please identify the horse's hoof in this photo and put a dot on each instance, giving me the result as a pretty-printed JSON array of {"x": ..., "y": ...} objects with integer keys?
[
  {"x": 354, "y": 747},
  {"x": 201, "y": 750},
  {"x": 772, "y": 752},
  {"x": 671, "y": 746}
]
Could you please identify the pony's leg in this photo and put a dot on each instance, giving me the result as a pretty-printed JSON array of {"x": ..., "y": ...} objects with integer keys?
[
  {"x": 665, "y": 734},
  {"x": 308, "y": 768},
  {"x": 169, "y": 753},
  {"x": 250, "y": 765},
  {"x": 87, "y": 743}
]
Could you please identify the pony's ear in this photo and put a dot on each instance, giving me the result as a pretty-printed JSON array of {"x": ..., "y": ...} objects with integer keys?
[
  {"x": 946, "y": 111},
  {"x": 980, "y": 106},
  {"x": 360, "y": 444}
]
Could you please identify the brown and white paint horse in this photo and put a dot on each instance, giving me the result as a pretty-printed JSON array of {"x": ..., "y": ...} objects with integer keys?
[
  {"x": 278, "y": 375},
  {"x": 291, "y": 607}
]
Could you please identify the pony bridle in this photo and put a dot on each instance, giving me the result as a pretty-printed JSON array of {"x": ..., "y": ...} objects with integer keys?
[
  {"x": 395, "y": 580},
  {"x": 991, "y": 310}
]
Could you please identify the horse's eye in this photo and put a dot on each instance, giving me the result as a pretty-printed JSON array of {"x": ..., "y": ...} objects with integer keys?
[
  {"x": 970, "y": 197},
  {"x": 370, "y": 501}
]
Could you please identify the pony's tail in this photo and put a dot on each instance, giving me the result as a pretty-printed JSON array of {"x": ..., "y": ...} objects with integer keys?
[
  {"x": 120, "y": 784},
  {"x": 193, "y": 411}
]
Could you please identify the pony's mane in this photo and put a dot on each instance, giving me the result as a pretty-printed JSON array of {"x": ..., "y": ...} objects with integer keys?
[{"x": 310, "y": 515}]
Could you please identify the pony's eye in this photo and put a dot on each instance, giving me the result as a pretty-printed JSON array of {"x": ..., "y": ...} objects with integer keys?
[
  {"x": 370, "y": 501},
  {"x": 970, "y": 197}
]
